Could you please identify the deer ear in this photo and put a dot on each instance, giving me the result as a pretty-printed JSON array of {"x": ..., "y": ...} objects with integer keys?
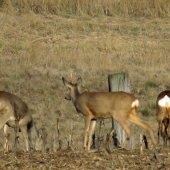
[
  {"x": 79, "y": 81},
  {"x": 65, "y": 82}
]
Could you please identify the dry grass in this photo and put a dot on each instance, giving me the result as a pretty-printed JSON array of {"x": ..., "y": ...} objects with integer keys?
[
  {"x": 151, "y": 8},
  {"x": 37, "y": 49}
]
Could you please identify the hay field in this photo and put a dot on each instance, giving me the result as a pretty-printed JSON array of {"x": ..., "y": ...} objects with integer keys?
[{"x": 41, "y": 42}]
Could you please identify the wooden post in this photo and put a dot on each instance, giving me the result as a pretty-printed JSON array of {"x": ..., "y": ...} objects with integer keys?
[
  {"x": 141, "y": 144},
  {"x": 120, "y": 82}
]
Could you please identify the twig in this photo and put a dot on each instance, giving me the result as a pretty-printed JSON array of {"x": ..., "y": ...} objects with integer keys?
[
  {"x": 156, "y": 154},
  {"x": 58, "y": 130}
]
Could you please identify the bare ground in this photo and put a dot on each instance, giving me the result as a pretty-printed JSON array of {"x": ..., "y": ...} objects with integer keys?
[{"x": 117, "y": 159}]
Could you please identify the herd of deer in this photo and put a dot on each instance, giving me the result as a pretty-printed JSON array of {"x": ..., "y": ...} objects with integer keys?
[{"x": 121, "y": 106}]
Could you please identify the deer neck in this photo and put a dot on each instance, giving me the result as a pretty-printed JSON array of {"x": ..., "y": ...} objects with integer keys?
[{"x": 74, "y": 95}]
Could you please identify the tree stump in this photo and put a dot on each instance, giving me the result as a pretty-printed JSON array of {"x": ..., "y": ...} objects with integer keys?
[{"x": 120, "y": 82}]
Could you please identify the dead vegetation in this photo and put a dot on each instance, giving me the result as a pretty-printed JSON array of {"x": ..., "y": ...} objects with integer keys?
[{"x": 118, "y": 159}]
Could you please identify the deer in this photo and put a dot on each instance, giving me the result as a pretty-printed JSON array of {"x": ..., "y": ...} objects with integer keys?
[
  {"x": 120, "y": 105},
  {"x": 16, "y": 114},
  {"x": 163, "y": 116}
]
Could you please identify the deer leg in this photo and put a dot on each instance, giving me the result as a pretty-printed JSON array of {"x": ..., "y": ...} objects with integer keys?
[
  {"x": 134, "y": 118},
  {"x": 92, "y": 126},
  {"x": 24, "y": 132},
  {"x": 159, "y": 131},
  {"x": 165, "y": 140},
  {"x": 87, "y": 125},
  {"x": 126, "y": 127},
  {"x": 6, "y": 145},
  {"x": 121, "y": 119},
  {"x": 23, "y": 123},
  {"x": 167, "y": 127},
  {"x": 164, "y": 134}
]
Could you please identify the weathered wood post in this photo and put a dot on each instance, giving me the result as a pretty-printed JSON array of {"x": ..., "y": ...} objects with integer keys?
[{"x": 120, "y": 82}]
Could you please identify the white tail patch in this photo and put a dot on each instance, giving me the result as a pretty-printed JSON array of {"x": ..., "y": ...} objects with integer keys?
[
  {"x": 135, "y": 103},
  {"x": 164, "y": 101}
]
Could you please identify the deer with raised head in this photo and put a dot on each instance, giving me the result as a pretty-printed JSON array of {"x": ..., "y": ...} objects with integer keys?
[
  {"x": 163, "y": 116},
  {"x": 121, "y": 106},
  {"x": 15, "y": 113}
]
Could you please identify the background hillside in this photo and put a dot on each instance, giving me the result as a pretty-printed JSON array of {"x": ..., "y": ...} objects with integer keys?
[{"x": 42, "y": 41}]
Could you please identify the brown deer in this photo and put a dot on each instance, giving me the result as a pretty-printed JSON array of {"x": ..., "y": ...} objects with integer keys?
[
  {"x": 15, "y": 113},
  {"x": 163, "y": 116},
  {"x": 121, "y": 106}
]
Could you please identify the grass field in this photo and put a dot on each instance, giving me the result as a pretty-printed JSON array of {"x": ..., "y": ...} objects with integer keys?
[{"x": 41, "y": 42}]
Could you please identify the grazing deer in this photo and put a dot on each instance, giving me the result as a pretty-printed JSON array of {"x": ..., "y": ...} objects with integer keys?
[
  {"x": 121, "y": 106},
  {"x": 14, "y": 113},
  {"x": 163, "y": 116}
]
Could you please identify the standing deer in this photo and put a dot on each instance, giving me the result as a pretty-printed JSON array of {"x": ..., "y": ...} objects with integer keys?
[
  {"x": 163, "y": 116},
  {"x": 121, "y": 106},
  {"x": 14, "y": 113}
]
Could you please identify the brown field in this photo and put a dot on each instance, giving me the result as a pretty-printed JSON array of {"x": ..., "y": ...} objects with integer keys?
[{"x": 42, "y": 41}]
